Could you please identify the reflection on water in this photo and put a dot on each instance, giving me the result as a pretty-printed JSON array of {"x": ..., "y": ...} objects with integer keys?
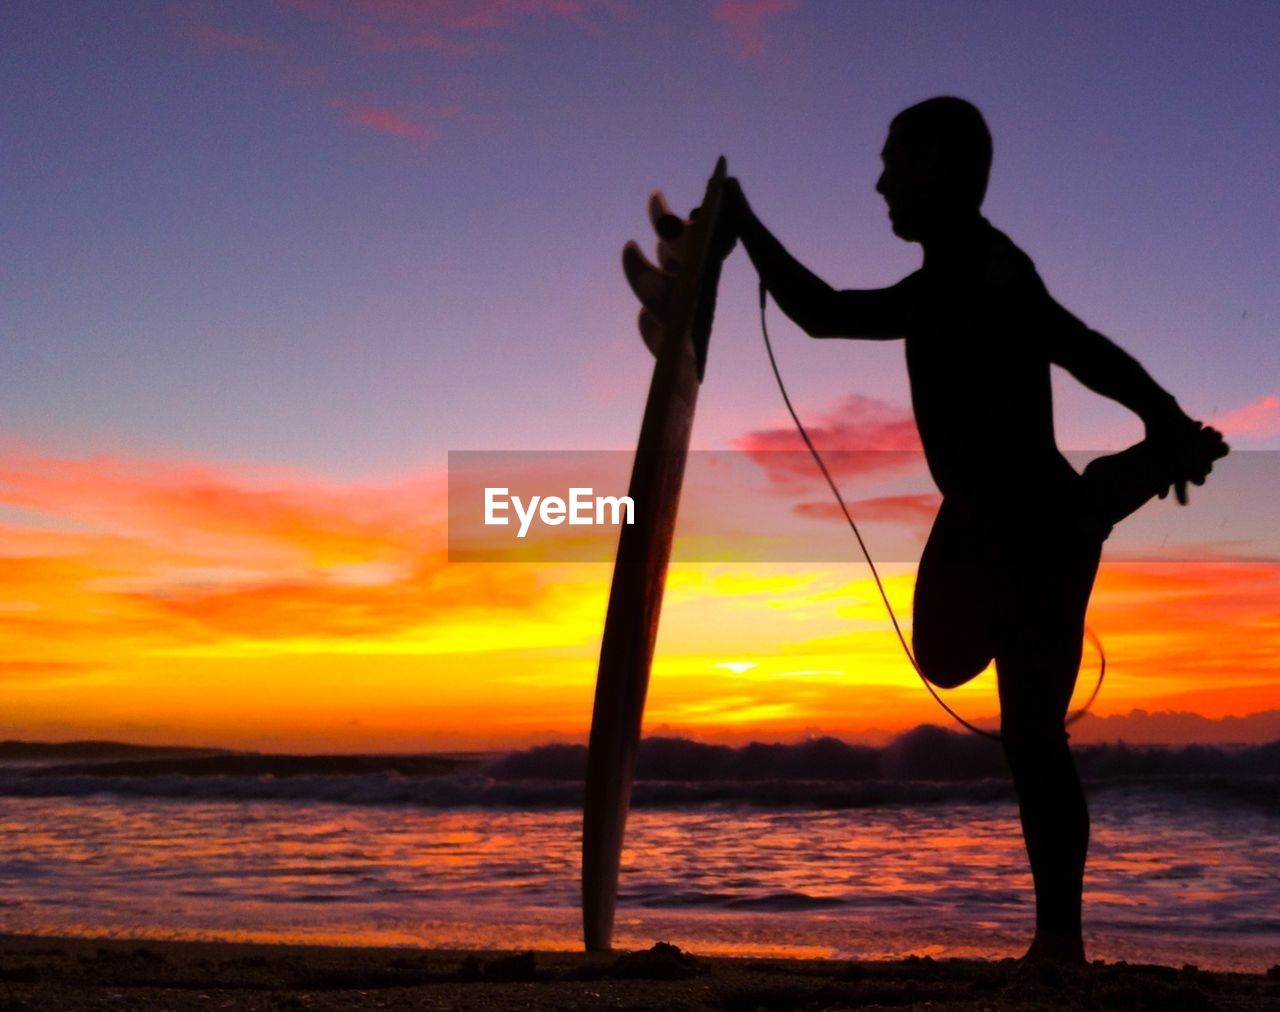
[{"x": 1168, "y": 881}]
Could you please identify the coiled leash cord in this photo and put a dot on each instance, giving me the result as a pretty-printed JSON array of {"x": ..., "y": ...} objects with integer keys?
[{"x": 902, "y": 639}]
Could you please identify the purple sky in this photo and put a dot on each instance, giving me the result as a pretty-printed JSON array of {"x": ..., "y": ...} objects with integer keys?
[{"x": 349, "y": 235}]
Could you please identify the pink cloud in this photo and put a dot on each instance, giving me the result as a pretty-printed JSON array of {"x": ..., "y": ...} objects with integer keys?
[
  {"x": 853, "y": 423},
  {"x": 313, "y": 77},
  {"x": 209, "y": 36},
  {"x": 743, "y": 22},
  {"x": 386, "y": 121},
  {"x": 215, "y": 38},
  {"x": 1259, "y": 420},
  {"x": 858, "y": 436},
  {"x": 455, "y": 27},
  {"x": 481, "y": 15}
]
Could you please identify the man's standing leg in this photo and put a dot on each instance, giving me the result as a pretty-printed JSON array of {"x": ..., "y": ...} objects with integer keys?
[{"x": 1036, "y": 670}]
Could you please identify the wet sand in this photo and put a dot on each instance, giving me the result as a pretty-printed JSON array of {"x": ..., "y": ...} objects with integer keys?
[{"x": 38, "y": 973}]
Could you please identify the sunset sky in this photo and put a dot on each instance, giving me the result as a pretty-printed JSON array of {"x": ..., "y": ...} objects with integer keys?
[{"x": 268, "y": 262}]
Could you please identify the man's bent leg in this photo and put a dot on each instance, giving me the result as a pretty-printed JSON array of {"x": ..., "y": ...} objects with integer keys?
[
  {"x": 953, "y": 608},
  {"x": 1118, "y": 484}
]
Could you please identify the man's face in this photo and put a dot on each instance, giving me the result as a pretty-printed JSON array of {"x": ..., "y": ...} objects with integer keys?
[{"x": 911, "y": 186}]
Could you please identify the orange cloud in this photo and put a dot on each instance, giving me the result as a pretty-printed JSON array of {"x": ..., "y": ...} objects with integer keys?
[
  {"x": 1203, "y": 636},
  {"x": 211, "y": 509},
  {"x": 180, "y": 552},
  {"x": 913, "y": 510},
  {"x": 254, "y": 604},
  {"x": 743, "y": 22},
  {"x": 23, "y": 669}
]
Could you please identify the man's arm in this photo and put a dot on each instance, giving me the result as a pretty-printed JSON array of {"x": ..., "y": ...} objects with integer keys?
[
  {"x": 1106, "y": 368},
  {"x": 817, "y": 308},
  {"x": 1189, "y": 447}
]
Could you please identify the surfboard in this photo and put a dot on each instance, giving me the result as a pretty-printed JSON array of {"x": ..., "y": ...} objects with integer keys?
[{"x": 676, "y": 325}]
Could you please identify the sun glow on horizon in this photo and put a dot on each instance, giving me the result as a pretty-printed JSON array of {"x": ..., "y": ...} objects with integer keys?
[{"x": 270, "y": 609}]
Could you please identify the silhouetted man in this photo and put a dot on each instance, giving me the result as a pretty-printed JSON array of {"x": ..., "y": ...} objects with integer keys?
[{"x": 1009, "y": 565}]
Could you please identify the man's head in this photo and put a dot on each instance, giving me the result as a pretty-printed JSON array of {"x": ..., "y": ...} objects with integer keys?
[{"x": 936, "y": 161}]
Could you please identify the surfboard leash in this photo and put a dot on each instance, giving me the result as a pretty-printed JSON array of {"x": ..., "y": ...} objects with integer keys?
[{"x": 866, "y": 554}]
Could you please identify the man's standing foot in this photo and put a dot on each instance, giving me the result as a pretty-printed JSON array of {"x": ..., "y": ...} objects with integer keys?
[{"x": 1064, "y": 949}]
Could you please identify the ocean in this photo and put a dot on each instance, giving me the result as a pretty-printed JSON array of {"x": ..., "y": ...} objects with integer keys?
[{"x": 813, "y": 849}]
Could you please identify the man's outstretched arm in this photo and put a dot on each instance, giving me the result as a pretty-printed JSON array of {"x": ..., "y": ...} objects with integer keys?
[{"x": 817, "y": 308}]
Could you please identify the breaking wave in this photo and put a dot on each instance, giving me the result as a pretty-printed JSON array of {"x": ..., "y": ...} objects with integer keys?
[{"x": 924, "y": 766}]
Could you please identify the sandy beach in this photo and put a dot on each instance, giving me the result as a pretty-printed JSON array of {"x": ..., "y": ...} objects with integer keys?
[{"x": 82, "y": 973}]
